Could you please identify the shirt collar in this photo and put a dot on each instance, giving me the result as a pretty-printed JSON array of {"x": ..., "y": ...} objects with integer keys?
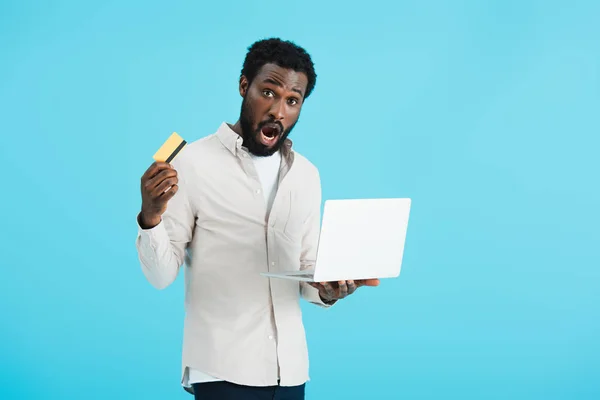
[{"x": 231, "y": 140}]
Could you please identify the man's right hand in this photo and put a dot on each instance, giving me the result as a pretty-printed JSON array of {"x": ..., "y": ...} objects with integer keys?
[{"x": 159, "y": 185}]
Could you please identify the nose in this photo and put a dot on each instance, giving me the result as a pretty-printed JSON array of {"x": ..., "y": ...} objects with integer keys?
[{"x": 277, "y": 111}]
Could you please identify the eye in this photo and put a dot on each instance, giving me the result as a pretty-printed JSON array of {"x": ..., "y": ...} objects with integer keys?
[
  {"x": 293, "y": 102},
  {"x": 268, "y": 93}
]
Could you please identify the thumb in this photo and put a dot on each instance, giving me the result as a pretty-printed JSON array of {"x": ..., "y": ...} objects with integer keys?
[{"x": 369, "y": 282}]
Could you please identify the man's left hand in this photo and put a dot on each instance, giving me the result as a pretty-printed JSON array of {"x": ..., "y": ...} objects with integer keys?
[{"x": 332, "y": 291}]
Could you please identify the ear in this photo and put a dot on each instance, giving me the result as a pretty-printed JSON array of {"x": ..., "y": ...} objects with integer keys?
[{"x": 243, "y": 86}]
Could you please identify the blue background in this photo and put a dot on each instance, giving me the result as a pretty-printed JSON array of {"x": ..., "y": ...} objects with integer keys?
[{"x": 486, "y": 114}]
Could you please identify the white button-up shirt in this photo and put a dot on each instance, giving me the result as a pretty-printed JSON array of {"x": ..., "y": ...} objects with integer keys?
[{"x": 239, "y": 326}]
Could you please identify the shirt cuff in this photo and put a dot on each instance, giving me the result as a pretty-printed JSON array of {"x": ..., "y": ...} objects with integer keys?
[{"x": 152, "y": 236}]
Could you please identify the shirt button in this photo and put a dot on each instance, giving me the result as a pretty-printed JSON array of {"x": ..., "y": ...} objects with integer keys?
[
  {"x": 270, "y": 337},
  {"x": 257, "y": 191},
  {"x": 273, "y": 263}
]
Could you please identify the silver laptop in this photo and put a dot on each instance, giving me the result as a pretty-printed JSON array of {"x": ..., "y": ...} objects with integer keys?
[{"x": 359, "y": 239}]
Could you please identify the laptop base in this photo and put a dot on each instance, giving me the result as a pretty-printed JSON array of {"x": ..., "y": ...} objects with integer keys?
[{"x": 304, "y": 276}]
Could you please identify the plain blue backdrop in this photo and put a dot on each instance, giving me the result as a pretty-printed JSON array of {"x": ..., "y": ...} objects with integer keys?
[{"x": 485, "y": 113}]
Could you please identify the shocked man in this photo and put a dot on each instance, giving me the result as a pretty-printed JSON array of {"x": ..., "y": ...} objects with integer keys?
[{"x": 231, "y": 205}]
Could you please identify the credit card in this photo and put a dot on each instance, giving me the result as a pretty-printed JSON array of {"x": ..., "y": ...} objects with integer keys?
[{"x": 170, "y": 148}]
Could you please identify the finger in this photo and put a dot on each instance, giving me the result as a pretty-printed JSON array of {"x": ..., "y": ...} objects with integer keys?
[
  {"x": 328, "y": 289},
  {"x": 162, "y": 174},
  {"x": 351, "y": 287},
  {"x": 154, "y": 169},
  {"x": 163, "y": 186},
  {"x": 343, "y": 289},
  {"x": 315, "y": 285},
  {"x": 153, "y": 183},
  {"x": 166, "y": 196}
]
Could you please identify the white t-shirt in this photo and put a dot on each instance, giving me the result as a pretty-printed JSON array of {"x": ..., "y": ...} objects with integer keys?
[
  {"x": 267, "y": 169},
  {"x": 268, "y": 173}
]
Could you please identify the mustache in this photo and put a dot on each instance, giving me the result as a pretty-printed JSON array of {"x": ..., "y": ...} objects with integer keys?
[{"x": 271, "y": 122}]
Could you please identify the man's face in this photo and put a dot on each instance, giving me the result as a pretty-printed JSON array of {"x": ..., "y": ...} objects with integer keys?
[{"x": 271, "y": 107}]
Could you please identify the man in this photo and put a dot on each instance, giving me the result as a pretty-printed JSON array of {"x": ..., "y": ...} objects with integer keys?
[{"x": 236, "y": 203}]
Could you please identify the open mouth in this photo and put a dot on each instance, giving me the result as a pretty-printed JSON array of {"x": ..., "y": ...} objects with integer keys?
[{"x": 269, "y": 134}]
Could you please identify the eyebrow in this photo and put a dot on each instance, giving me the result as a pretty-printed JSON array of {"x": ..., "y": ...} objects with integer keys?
[{"x": 274, "y": 82}]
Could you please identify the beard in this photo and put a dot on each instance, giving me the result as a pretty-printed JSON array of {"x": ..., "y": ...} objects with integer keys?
[{"x": 250, "y": 135}]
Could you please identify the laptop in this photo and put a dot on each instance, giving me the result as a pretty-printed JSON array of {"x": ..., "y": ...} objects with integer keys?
[{"x": 359, "y": 239}]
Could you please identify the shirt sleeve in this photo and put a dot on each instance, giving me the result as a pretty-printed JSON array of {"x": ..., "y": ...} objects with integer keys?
[
  {"x": 161, "y": 249},
  {"x": 310, "y": 241}
]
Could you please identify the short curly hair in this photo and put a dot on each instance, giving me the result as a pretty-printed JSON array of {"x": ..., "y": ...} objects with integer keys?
[{"x": 283, "y": 53}]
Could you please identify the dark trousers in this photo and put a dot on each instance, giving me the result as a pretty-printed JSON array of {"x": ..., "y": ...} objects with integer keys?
[{"x": 230, "y": 391}]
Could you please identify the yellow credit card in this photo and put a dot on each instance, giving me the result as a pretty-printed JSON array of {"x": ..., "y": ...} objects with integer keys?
[{"x": 173, "y": 145}]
